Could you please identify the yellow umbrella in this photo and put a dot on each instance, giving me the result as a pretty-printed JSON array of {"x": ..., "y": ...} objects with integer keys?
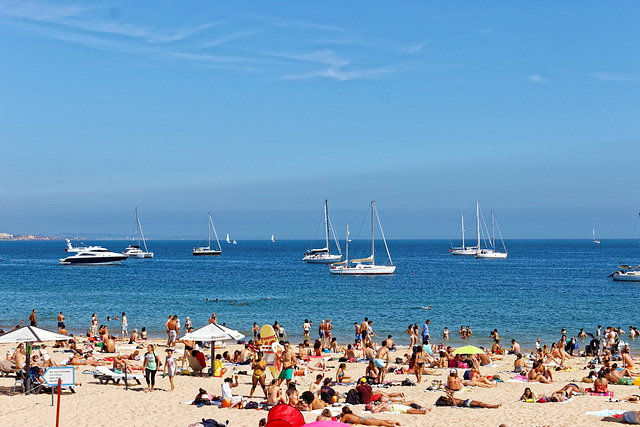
[{"x": 468, "y": 349}]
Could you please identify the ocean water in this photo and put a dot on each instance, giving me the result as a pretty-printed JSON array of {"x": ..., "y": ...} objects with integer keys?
[{"x": 543, "y": 286}]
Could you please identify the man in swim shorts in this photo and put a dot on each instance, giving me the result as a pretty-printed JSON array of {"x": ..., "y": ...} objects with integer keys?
[
  {"x": 172, "y": 328},
  {"x": 289, "y": 361},
  {"x": 381, "y": 360},
  {"x": 364, "y": 330}
]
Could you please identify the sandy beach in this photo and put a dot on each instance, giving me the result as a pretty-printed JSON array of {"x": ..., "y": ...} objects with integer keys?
[{"x": 112, "y": 405}]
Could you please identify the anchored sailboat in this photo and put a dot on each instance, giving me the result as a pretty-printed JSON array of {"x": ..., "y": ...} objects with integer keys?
[
  {"x": 365, "y": 265},
  {"x": 491, "y": 252},
  {"x": 594, "y": 240},
  {"x": 207, "y": 250},
  {"x": 134, "y": 251},
  {"x": 323, "y": 255}
]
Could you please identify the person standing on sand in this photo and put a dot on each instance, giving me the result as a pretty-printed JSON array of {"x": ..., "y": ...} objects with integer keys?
[
  {"x": 358, "y": 331},
  {"x": 93, "y": 330},
  {"x": 32, "y": 318},
  {"x": 306, "y": 328},
  {"x": 60, "y": 321},
  {"x": 187, "y": 325},
  {"x": 289, "y": 361},
  {"x": 381, "y": 360},
  {"x": 425, "y": 332},
  {"x": 172, "y": 327},
  {"x": 124, "y": 328},
  {"x": 259, "y": 366},
  {"x": 150, "y": 367},
  {"x": 170, "y": 367}
]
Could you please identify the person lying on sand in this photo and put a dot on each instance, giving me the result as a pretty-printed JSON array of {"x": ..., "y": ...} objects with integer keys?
[
  {"x": 349, "y": 417},
  {"x": 77, "y": 360},
  {"x": 449, "y": 400},
  {"x": 563, "y": 394},
  {"x": 411, "y": 408},
  {"x": 616, "y": 376}
]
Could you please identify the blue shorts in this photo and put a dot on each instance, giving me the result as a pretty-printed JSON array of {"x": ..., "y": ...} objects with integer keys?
[
  {"x": 286, "y": 374},
  {"x": 379, "y": 363},
  {"x": 359, "y": 337}
]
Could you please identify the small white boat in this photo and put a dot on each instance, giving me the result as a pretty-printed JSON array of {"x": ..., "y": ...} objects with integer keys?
[
  {"x": 323, "y": 255},
  {"x": 88, "y": 255},
  {"x": 235, "y": 243},
  {"x": 467, "y": 250},
  {"x": 134, "y": 251},
  {"x": 207, "y": 250},
  {"x": 364, "y": 266},
  {"x": 627, "y": 273},
  {"x": 594, "y": 240},
  {"x": 228, "y": 241},
  {"x": 491, "y": 252},
  {"x": 273, "y": 240}
]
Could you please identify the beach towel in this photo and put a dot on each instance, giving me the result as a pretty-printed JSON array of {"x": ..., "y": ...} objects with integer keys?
[
  {"x": 609, "y": 393},
  {"x": 518, "y": 379},
  {"x": 606, "y": 412}
]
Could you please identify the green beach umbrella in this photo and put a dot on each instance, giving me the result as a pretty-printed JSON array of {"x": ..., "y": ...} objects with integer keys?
[{"x": 468, "y": 349}]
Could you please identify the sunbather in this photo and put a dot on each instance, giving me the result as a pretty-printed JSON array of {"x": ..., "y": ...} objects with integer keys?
[
  {"x": 449, "y": 400},
  {"x": 350, "y": 418},
  {"x": 398, "y": 408}
]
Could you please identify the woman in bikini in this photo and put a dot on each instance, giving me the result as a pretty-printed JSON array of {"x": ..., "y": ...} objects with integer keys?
[
  {"x": 340, "y": 375},
  {"x": 418, "y": 364},
  {"x": 412, "y": 337},
  {"x": 350, "y": 418}
]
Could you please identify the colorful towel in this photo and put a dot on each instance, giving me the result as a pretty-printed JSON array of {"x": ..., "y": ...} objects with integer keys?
[
  {"x": 518, "y": 379},
  {"x": 609, "y": 393}
]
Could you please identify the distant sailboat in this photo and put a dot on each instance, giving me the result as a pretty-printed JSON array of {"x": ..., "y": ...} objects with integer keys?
[
  {"x": 364, "y": 265},
  {"x": 272, "y": 239},
  {"x": 134, "y": 251},
  {"x": 207, "y": 250},
  {"x": 594, "y": 237},
  {"x": 468, "y": 250},
  {"x": 235, "y": 243},
  {"x": 323, "y": 255},
  {"x": 228, "y": 241},
  {"x": 492, "y": 253}
]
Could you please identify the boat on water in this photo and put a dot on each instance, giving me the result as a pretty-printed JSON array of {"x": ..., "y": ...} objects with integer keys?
[
  {"x": 467, "y": 250},
  {"x": 235, "y": 243},
  {"x": 593, "y": 239},
  {"x": 273, "y": 240},
  {"x": 90, "y": 255},
  {"x": 323, "y": 255},
  {"x": 135, "y": 251},
  {"x": 208, "y": 250},
  {"x": 364, "y": 266},
  {"x": 627, "y": 273},
  {"x": 491, "y": 252},
  {"x": 228, "y": 241}
]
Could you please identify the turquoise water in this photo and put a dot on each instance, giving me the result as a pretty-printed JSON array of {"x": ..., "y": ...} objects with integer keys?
[{"x": 543, "y": 286}]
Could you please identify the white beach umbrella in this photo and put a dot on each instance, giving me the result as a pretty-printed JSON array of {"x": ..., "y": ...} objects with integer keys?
[
  {"x": 213, "y": 332},
  {"x": 31, "y": 334}
]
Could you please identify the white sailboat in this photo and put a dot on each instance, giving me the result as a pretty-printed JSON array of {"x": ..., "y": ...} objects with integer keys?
[
  {"x": 594, "y": 237},
  {"x": 135, "y": 251},
  {"x": 228, "y": 241},
  {"x": 492, "y": 253},
  {"x": 468, "y": 250},
  {"x": 273, "y": 240},
  {"x": 364, "y": 266},
  {"x": 235, "y": 243},
  {"x": 323, "y": 255},
  {"x": 207, "y": 250}
]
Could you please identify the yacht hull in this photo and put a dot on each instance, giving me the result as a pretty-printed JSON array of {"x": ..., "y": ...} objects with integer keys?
[
  {"x": 361, "y": 270},
  {"x": 322, "y": 259},
  {"x": 626, "y": 277}
]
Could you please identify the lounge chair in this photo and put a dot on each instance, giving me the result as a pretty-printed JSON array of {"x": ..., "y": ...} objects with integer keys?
[
  {"x": 107, "y": 375},
  {"x": 7, "y": 367}
]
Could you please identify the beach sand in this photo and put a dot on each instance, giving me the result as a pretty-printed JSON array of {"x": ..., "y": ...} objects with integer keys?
[{"x": 112, "y": 405}]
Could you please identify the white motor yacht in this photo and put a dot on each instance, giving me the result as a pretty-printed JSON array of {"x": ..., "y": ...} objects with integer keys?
[
  {"x": 91, "y": 255},
  {"x": 627, "y": 273}
]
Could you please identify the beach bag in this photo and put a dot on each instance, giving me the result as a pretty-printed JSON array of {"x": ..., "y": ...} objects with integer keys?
[
  {"x": 443, "y": 401},
  {"x": 251, "y": 405},
  {"x": 408, "y": 382},
  {"x": 353, "y": 398}
]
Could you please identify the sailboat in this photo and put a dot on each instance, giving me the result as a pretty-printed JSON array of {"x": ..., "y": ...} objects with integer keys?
[
  {"x": 207, "y": 250},
  {"x": 594, "y": 237},
  {"x": 228, "y": 241},
  {"x": 492, "y": 253},
  {"x": 468, "y": 250},
  {"x": 134, "y": 251},
  {"x": 323, "y": 255},
  {"x": 364, "y": 265},
  {"x": 272, "y": 239}
]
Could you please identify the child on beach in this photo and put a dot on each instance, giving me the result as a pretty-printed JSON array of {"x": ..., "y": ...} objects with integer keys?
[{"x": 170, "y": 367}]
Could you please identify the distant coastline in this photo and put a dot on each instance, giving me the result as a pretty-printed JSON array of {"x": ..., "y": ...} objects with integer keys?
[{"x": 12, "y": 237}]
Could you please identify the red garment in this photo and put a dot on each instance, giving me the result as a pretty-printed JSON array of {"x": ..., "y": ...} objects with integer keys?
[
  {"x": 364, "y": 390},
  {"x": 200, "y": 358}
]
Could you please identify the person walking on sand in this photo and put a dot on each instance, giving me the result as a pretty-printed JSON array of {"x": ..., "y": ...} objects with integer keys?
[
  {"x": 425, "y": 332},
  {"x": 32, "y": 318},
  {"x": 289, "y": 361},
  {"x": 151, "y": 363},
  {"x": 170, "y": 367},
  {"x": 172, "y": 327},
  {"x": 381, "y": 360},
  {"x": 124, "y": 328}
]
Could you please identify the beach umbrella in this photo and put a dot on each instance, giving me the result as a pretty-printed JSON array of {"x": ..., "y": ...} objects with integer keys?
[
  {"x": 213, "y": 332},
  {"x": 285, "y": 416},
  {"x": 29, "y": 335},
  {"x": 468, "y": 349}
]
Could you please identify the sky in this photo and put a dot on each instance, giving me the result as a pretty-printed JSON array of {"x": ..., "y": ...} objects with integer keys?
[{"x": 258, "y": 111}]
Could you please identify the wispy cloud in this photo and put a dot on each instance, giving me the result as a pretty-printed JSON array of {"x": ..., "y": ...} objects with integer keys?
[
  {"x": 416, "y": 48},
  {"x": 614, "y": 77},
  {"x": 536, "y": 78}
]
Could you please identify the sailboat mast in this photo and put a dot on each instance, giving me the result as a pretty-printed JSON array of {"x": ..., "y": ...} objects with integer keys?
[
  {"x": 138, "y": 226},
  {"x": 493, "y": 233},
  {"x": 326, "y": 224},
  {"x": 209, "y": 227},
  {"x": 346, "y": 261},
  {"x": 478, "y": 223},
  {"x": 462, "y": 219},
  {"x": 372, "y": 233}
]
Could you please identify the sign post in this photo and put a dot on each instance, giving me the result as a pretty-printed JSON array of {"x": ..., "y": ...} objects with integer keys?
[{"x": 58, "y": 407}]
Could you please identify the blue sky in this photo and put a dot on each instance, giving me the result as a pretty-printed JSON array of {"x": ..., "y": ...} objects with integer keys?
[{"x": 257, "y": 111}]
